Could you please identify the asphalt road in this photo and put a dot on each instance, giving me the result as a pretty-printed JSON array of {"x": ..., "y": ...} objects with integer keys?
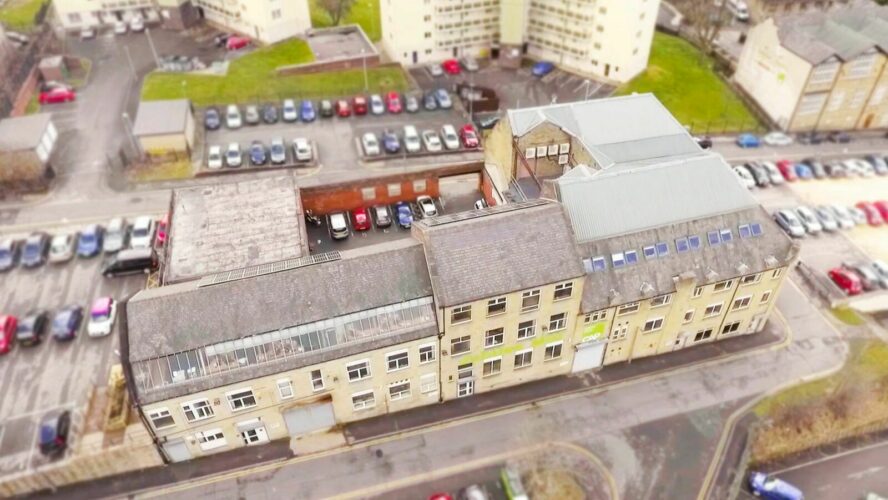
[{"x": 849, "y": 475}]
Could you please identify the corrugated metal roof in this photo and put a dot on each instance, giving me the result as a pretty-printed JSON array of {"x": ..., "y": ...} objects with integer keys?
[
  {"x": 161, "y": 117},
  {"x": 843, "y": 32}
]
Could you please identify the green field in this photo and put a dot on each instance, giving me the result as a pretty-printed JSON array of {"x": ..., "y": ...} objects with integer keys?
[
  {"x": 363, "y": 12},
  {"x": 684, "y": 80},
  {"x": 18, "y": 15},
  {"x": 252, "y": 78}
]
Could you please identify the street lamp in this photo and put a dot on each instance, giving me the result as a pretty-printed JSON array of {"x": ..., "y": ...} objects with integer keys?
[{"x": 364, "y": 64}]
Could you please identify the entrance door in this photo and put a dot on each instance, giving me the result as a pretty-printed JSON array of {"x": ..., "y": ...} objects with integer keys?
[
  {"x": 589, "y": 355},
  {"x": 607, "y": 69},
  {"x": 465, "y": 388},
  {"x": 255, "y": 436},
  {"x": 177, "y": 451}
]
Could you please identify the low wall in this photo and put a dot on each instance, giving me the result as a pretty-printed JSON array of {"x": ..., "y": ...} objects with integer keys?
[{"x": 373, "y": 61}]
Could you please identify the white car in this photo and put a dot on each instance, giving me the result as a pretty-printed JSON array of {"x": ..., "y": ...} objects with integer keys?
[
  {"x": 470, "y": 63},
  {"x": 278, "y": 151},
  {"x": 431, "y": 140},
  {"x": 411, "y": 139},
  {"x": 856, "y": 166},
  {"x": 87, "y": 33},
  {"x": 376, "y": 105},
  {"x": 777, "y": 139},
  {"x": 115, "y": 235},
  {"x": 233, "y": 156},
  {"x": 744, "y": 177},
  {"x": 809, "y": 220},
  {"x": 843, "y": 216},
  {"x": 214, "y": 157},
  {"x": 857, "y": 215},
  {"x": 427, "y": 206},
  {"x": 61, "y": 249},
  {"x": 338, "y": 226},
  {"x": 436, "y": 70},
  {"x": 143, "y": 232},
  {"x": 370, "y": 144},
  {"x": 774, "y": 174},
  {"x": 827, "y": 218},
  {"x": 233, "y": 117},
  {"x": 451, "y": 140},
  {"x": 101, "y": 317},
  {"x": 289, "y": 113},
  {"x": 120, "y": 28},
  {"x": 881, "y": 269},
  {"x": 302, "y": 149},
  {"x": 137, "y": 24}
]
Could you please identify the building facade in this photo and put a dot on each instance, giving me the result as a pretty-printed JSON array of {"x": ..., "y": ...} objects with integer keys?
[
  {"x": 763, "y": 9},
  {"x": 604, "y": 38},
  {"x": 820, "y": 71}
]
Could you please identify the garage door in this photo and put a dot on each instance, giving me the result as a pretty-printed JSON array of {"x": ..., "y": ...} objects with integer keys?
[
  {"x": 589, "y": 356},
  {"x": 459, "y": 185},
  {"x": 177, "y": 451},
  {"x": 306, "y": 419}
]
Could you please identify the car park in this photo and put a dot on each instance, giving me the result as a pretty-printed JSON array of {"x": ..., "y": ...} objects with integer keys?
[
  {"x": 411, "y": 139},
  {"x": 411, "y": 103},
  {"x": 836, "y": 170},
  {"x": 393, "y": 102},
  {"x": 360, "y": 219},
  {"x": 777, "y": 139},
  {"x": 137, "y": 24},
  {"x": 843, "y": 217},
  {"x": 469, "y": 136},
  {"x": 370, "y": 144},
  {"x": 233, "y": 155},
  {"x": 451, "y": 67},
  {"x": 809, "y": 220},
  {"x": 57, "y": 95},
  {"x": 8, "y": 325},
  {"x": 343, "y": 110},
  {"x": 470, "y": 63},
  {"x": 251, "y": 115},
  {"x": 405, "y": 215},
  {"x": 772, "y": 488},
  {"x": 431, "y": 141},
  {"x": 435, "y": 69},
  {"x": 873, "y": 217},
  {"x": 214, "y": 157},
  {"x": 130, "y": 261},
  {"x": 429, "y": 103},
  {"x": 383, "y": 215},
  {"x": 748, "y": 141},
  {"x": 786, "y": 170},
  {"x": 89, "y": 244},
  {"x": 258, "y": 155},
  {"x": 390, "y": 142},
  {"x": 66, "y": 323},
  {"x": 541, "y": 68},
  {"x": 301, "y": 149},
  {"x": 31, "y": 328},
  {"x": 212, "y": 121},
  {"x": 359, "y": 103},
  {"x": 817, "y": 167},
  {"x": 789, "y": 221},
  {"x": 278, "y": 152},
  {"x": 869, "y": 280},
  {"x": 325, "y": 109},
  {"x": 120, "y": 28},
  {"x": 53, "y": 432},
  {"x": 163, "y": 226},
  {"x": 61, "y": 248},
  {"x": 338, "y": 226},
  {"x": 307, "y": 111},
  {"x": 9, "y": 254},
  {"x": 859, "y": 168},
  {"x": 233, "y": 117},
  {"x": 827, "y": 218},
  {"x": 846, "y": 280},
  {"x": 744, "y": 176},
  {"x": 288, "y": 111},
  {"x": 101, "y": 317},
  {"x": 36, "y": 250},
  {"x": 376, "y": 105},
  {"x": 449, "y": 137},
  {"x": 774, "y": 174},
  {"x": 443, "y": 99},
  {"x": 143, "y": 232},
  {"x": 269, "y": 114},
  {"x": 427, "y": 206}
]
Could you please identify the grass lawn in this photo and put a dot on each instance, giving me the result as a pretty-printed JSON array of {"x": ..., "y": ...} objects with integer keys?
[
  {"x": 34, "y": 104},
  {"x": 18, "y": 15},
  {"x": 848, "y": 316},
  {"x": 684, "y": 80},
  {"x": 363, "y": 12},
  {"x": 252, "y": 78}
]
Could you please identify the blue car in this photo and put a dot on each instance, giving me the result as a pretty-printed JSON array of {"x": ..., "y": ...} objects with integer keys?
[
  {"x": 307, "y": 111},
  {"x": 405, "y": 215},
  {"x": 772, "y": 488},
  {"x": 803, "y": 171},
  {"x": 542, "y": 68},
  {"x": 748, "y": 141},
  {"x": 67, "y": 322},
  {"x": 390, "y": 142},
  {"x": 89, "y": 244},
  {"x": 258, "y": 154},
  {"x": 36, "y": 250}
]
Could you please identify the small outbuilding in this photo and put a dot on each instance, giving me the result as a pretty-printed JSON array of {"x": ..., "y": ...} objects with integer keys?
[
  {"x": 26, "y": 146},
  {"x": 164, "y": 127}
]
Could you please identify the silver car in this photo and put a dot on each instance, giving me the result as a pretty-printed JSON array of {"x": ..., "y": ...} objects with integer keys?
[
  {"x": 278, "y": 151},
  {"x": 214, "y": 157},
  {"x": 377, "y": 107},
  {"x": 431, "y": 140},
  {"x": 827, "y": 218},
  {"x": 451, "y": 140},
  {"x": 61, "y": 249},
  {"x": 868, "y": 277},
  {"x": 370, "y": 144},
  {"x": 773, "y": 173},
  {"x": 809, "y": 220},
  {"x": 301, "y": 149},
  {"x": 233, "y": 156},
  {"x": 233, "y": 117},
  {"x": 790, "y": 223},
  {"x": 435, "y": 70},
  {"x": 843, "y": 217},
  {"x": 289, "y": 113},
  {"x": 411, "y": 139},
  {"x": 881, "y": 270},
  {"x": 115, "y": 235}
]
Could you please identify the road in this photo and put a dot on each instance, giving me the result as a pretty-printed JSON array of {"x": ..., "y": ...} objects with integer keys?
[{"x": 848, "y": 475}]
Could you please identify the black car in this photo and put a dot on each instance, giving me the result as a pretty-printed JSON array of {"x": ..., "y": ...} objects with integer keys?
[
  {"x": 810, "y": 138},
  {"x": 53, "y": 432},
  {"x": 270, "y": 114},
  {"x": 836, "y": 170},
  {"x": 36, "y": 250},
  {"x": 9, "y": 254},
  {"x": 30, "y": 330},
  {"x": 382, "y": 215},
  {"x": 839, "y": 137},
  {"x": 704, "y": 141},
  {"x": 759, "y": 173},
  {"x": 212, "y": 120},
  {"x": 817, "y": 167},
  {"x": 429, "y": 102},
  {"x": 66, "y": 323},
  {"x": 325, "y": 109},
  {"x": 258, "y": 154},
  {"x": 488, "y": 122}
]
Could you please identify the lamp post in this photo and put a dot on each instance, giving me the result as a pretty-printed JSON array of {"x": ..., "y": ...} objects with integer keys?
[{"x": 364, "y": 64}]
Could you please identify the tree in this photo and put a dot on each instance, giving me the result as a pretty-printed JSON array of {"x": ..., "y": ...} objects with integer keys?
[
  {"x": 336, "y": 9},
  {"x": 706, "y": 19}
]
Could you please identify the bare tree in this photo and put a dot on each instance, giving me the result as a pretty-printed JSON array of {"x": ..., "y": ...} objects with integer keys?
[
  {"x": 706, "y": 18},
  {"x": 336, "y": 9}
]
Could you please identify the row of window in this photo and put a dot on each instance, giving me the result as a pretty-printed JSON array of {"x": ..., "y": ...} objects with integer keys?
[
  {"x": 530, "y": 301},
  {"x": 397, "y": 391},
  {"x": 521, "y": 359},
  {"x": 394, "y": 361},
  {"x": 496, "y": 336}
]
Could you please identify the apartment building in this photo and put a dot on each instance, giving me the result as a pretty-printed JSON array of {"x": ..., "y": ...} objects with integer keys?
[
  {"x": 604, "y": 38},
  {"x": 78, "y": 14},
  {"x": 763, "y": 9},
  {"x": 820, "y": 70}
]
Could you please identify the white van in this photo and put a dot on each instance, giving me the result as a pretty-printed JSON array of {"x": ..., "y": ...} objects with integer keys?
[
  {"x": 738, "y": 9},
  {"x": 338, "y": 226}
]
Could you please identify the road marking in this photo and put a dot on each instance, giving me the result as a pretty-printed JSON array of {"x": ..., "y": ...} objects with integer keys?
[{"x": 831, "y": 457}]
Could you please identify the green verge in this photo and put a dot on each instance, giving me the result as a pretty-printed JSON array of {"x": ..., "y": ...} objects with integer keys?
[
  {"x": 19, "y": 15},
  {"x": 364, "y": 13}
]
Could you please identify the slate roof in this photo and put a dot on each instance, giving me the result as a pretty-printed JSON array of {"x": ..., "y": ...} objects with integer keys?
[
  {"x": 495, "y": 253},
  {"x": 161, "y": 117},
  {"x": 614, "y": 130},
  {"x": 184, "y": 316},
  {"x": 842, "y": 32},
  {"x": 23, "y": 132}
]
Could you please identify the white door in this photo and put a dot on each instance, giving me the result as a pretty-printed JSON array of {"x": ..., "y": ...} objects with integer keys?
[
  {"x": 589, "y": 355},
  {"x": 255, "y": 436},
  {"x": 465, "y": 388},
  {"x": 306, "y": 419},
  {"x": 177, "y": 451}
]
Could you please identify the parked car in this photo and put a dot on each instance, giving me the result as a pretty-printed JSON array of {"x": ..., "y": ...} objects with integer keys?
[
  {"x": 435, "y": 69},
  {"x": 214, "y": 157},
  {"x": 411, "y": 139},
  {"x": 67, "y": 322},
  {"x": 87, "y": 33},
  {"x": 704, "y": 141},
  {"x": 469, "y": 136},
  {"x": 343, "y": 110},
  {"x": 53, "y": 432},
  {"x": 772, "y": 488},
  {"x": 541, "y": 68},
  {"x": 382, "y": 215},
  {"x": 132, "y": 261},
  {"x": 393, "y": 102},
  {"x": 360, "y": 219},
  {"x": 233, "y": 117},
  {"x": 360, "y": 105},
  {"x": 10, "y": 250},
  {"x": 759, "y": 173},
  {"x": 744, "y": 176},
  {"x": 377, "y": 107},
  {"x": 786, "y": 170},
  {"x": 777, "y": 139},
  {"x": 878, "y": 163},
  {"x": 57, "y": 95},
  {"x": 843, "y": 217},
  {"x": 269, "y": 114},
  {"x": 846, "y": 280},
  {"x": 838, "y": 137},
  {"x": 774, "y": 174},
  {"x": 143, "y": 232},
  {"x": 873, "y": 217},
  {"x": 101, "y": 317},
  {"x": 338, "y": 226},
  {"x": 427, "y": 206},
  {"x": 882, "y": 207},
  {"x": 803, "y": 171},
  {"x": 370, "y": 144},
  {"x": 809, "y": 220},
  {"x": 233, "y": 156},
  {"x": 748, "y": 141},
  {"x": 390, "y": 142},
  {"x": 810, "y": 138},
  {"x": 251, "y": 115},
  {"x": 443, "y": 99},
  {"x": 448, "y": 135},
  {"x": 137, "y": 24},
  {"x": 36, "y": 250},
  {"x": 869, "y": 280},
  {"x": 288, "y": 111},
  {"x": 120, "y": 28},
  {"x": 836, "y": 170},
  {"x": 411, "y": 103},
  {"x": 858, "y": 167},
  {"x": 8, "y": 326},
  {"x": 429, "y": 103},
  {"x": 278, "y": 152},
  {"x": 307, "y": 111},
  {"x": 817, "y": 168},
  {"x": 325, "y": 109},
  {"x": 451, "y": 67},
  {"x": 827, "y": 218},
  {"x": 431, "y": 141},
  {"x": 115, "y": 235},
  {"x": 61, "y": 248},
  {"x": 163, "y": 226},
  {"x": 89, "y": 244},
  {"x": 405, "y": 215},
  {"x": 212, "y": 121},
  {"x": 258, "y": 155},
  {"x": 236, "y": 42},
  {"x": 302, "y": 149},
  {"x": 31, "y": 328},
  {"x": 789, "y": 221},
  {"x": 220, "y": 39},
  {"x": 857, "y": 215},
  {"x": 881, "y": 269},
  {"x": 470, "y": 63}
]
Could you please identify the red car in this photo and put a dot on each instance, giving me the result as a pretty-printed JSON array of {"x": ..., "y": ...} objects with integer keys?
[
  {"x": 360, "y": 105},
  {"x": 882, "y": 207},
  {"x": 873, "y": 217},
  {"x": 451, "y": 66},
  {"x": 236, "y": 43},
  {"x": 787, "y": 169},
  {"x": 343, "y": 110},
  {"x": 360, "y": 219},
  {"x": 57, "y": 94},
  {"x": 393, "y": 102},
  {"x": 162, "y": 226},
  {"x": 846, "y": 280},
  {"x": 469, "y": 136},
  {"x": 8, "y": 324}
]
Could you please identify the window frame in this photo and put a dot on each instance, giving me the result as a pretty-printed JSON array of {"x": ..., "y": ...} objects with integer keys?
[
  {"x": 560, "y": 288},
  {"x": 364, "y": 406},
  {"x": 559, "y": 346},
  {"x": 662, "y": 249},
  {"x": 716, "y": 310},
  {"x": 431, "y": 355},
  {"x": 691, "y": 242},
  {"x": 190, "y": 406},
  {"x": 682, "y": 245},
  {"x": 734, "y": 327},
  {"x": 496, "y": 361},
  {"x": 218, "y": 439},
  {"x": 289, "y": 387},
  {"x": 525, "y": 362},
  {"x": 618, "y": 260},
  {"x": 650, "y": 252},
  {"x": 499, "y": 303},
  {"x": 599, "y": 264},
  {"x": 466, "y": 309},
  {"x": 401, "y": 394},
  {"x": 561, "y": 323},
  {"x": 630, "y": 308},
  {"x": 655, "y": 324},
  {"x": 356, "y": 363},
  {"x": 744, "y": 303},
  {"x": 402, "y": 355},
  {"x": 631, "y": 257},
  {"x": 493, "y": 333},
  {"x": 314, "y": 381},
  {"x": 766, "y": 297},
  {"x": 467, "y": 339},
  {"x": 713, "y": 238},
  {"x": 530, "y": 294},
  {"x": 666, "y": 300},
  {"x": 229, "y": 394},
  {"x": 159, "y": 414},
  {"x": 685, "y": 319},
  {"x": 532, "y": 329}
]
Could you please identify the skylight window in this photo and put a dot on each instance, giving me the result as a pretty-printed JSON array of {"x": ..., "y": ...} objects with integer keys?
[
  {"x": 756, "y": 229},
  {"x": 631, "y": 257},
  {"x": 662, "y": 249},
  {"x": 713, "y": 238},
  {"x": 726, "y": 235},
  {"x": 694, "y": 242},
  {"x": 744, "y": 231},
  {"x": 618, "y": 260},
  {"x": 598, "y": 264},
  {"x": 650, "y": 252},
  {"x": 681, "y": 245}
]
